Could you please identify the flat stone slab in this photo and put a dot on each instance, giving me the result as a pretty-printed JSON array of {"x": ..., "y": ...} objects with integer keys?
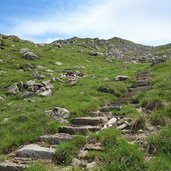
[
  {"x": 56, "y": 138},
  {"x": 11, "y": 166},
  {"x": 96, "y": 146},
  {"x": 82, "y": 130},
  {"x": 109, "y": 108},
  {"x": 89, "y": 121},
  {"x": 138, "y": 89},
  {"x": 140, "y": 83},
  {"x": 35, "y": 151}
]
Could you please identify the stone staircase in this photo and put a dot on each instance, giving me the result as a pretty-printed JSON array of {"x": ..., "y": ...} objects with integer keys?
[{"x": 95, "y": 121}]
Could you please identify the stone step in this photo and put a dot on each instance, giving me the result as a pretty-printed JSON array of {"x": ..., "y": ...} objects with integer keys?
[
  {"x": 94, "y": 121},
  {"x": 140, "y": 83},
  {"x": 56, "y": 138},
  {"x": 9, "y": 165},
  {"x": 138, "y": 89},
  {"x": 109, "y": 108},
  {"x": 100, "y": 114},
  {"x": 82, "y": 130},
  {"x": 35, "y": 151}
]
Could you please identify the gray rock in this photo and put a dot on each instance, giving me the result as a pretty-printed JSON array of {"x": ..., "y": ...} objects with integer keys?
[
  {"x": 11, "y": 166},
  {"x": 29, "y": 56},
  {"x": 58, "y": 114},
  {"x": 13, "y": 89},
  {"x": 91, "y": 165},
  {"x": 56, "y": 138},
  {"x": 24, "y": 50},
  {"x": 89, "y": 121},
  {"x": 82, "y": 130},
  {"x": 121, "y": 77},
  {"x": 111, "y": 123},
  {"x": 26, "y": 94},
  {"x": 35, "y": 151},
  {"x": 76, "y": 162},
  {"x": 45, "y": 93},
  {"x": 58, "y": 63}
]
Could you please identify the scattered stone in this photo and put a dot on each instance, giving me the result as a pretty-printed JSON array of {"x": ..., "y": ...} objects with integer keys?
[
  {"x": 35, "y": 151},
  {"x": 58, "y": 113},
  {"x": 56, "y": 138},
  {"x": 95, "y": 53},
  {"x": 29, "y": 56},
  {"x": 5, "y": 120},
  {"x": 123, "y": 126},
  {"x": 11, "y": 166},
  {"x": 26, "y": 94},
  {"x": 91, "y": 165},
  {"x": 13, "y": 89},
  {"x": 45, "y": 93},
  {"x": 24, "y": 50},
  {"x": 96, "y": 146},
  {"x": 83, "y": 153},
  {"x": 111, "y": 123},
  {"x": 121, "y": 77},
  {"x": 76, "y": 162},
  {"x": 58, "y": 63}
]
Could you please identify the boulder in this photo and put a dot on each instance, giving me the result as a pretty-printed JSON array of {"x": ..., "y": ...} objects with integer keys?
[
  {"x": 29, "y": 55},
  {"x": 35, "y": 151},
  {"x": 24, "y": 50}
]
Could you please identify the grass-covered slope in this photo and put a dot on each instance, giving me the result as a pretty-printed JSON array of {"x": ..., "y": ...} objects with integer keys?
[
  {"x": 23, "y": 120},
  {"x": 26, "y": 118}
]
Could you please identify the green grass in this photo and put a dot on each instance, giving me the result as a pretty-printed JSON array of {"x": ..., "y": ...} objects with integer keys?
[
  {"x": 66, "y": 151},
  {"x": 27, "y": 121}
]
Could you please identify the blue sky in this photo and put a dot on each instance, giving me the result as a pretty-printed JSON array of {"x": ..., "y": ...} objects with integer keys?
[{"x": 142, "y": 21}]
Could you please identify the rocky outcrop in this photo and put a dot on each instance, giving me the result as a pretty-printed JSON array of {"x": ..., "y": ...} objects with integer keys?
[{"x": 27, "y": 54}]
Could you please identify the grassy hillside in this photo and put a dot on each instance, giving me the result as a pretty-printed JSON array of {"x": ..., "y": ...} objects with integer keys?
[{"x": 23, "y": 120}]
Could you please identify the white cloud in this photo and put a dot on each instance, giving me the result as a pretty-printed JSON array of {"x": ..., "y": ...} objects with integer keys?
[{"x": 104, "y": 19}]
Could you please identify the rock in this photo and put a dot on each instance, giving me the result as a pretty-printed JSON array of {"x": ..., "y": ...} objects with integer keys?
[
  {"x": 5, "y": 120},
  {"x": 89, "y": 121},
  {"x": 91, "y": 165},
  {"x": 82, "y": 130},
  {"x": 138, "y": 89},
  {"x": 83, "y": 154},
  {"x": 30, "y": 83},
  {"x": 26, "y": 94},
  {"x": 58, "y": 113},
  {"x": 29, "y": 55},
  {"x": 45, "y": 93},
  {"x": 11, "y": 166},
  {"x": 111, "y": 123},
  {"x": 95, "y": 53},
  {"x": 123, "y": 126},
  {"x": 13, "y": 89},
  {"x": 58, "y": 63},
  {"x": 35, "y": 151},
  {"x": 96, "y": 146},
  {"x": 110, "y": 108},
  {"x": 56, "y": 138},
  {"x": 121, "y": 77},
  {"x": 106, "y": 89},
  {"x": 76, "y": 162},
  {"x": 24, "y": 50}
]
